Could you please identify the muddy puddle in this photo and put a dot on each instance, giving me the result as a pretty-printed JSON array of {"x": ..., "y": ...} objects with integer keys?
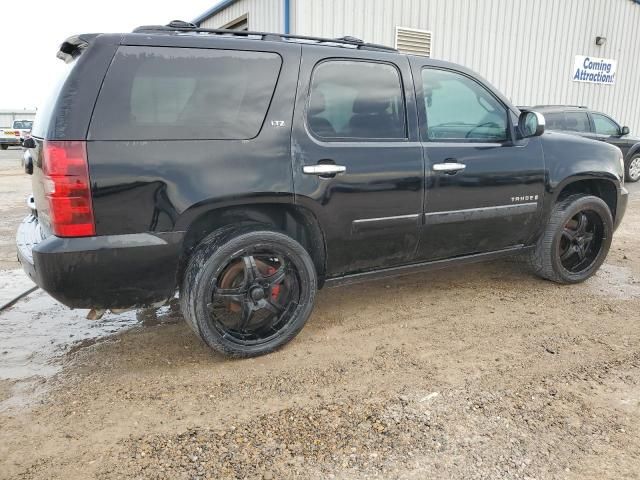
[{"x": 37, "y": 331}]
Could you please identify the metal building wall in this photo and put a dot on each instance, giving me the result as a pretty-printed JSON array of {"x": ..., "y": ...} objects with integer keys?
[
  {"x": 264, "y": 15},
  {"x": 526, "y": 48}
]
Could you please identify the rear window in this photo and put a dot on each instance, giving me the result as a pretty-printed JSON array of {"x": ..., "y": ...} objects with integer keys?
[
  {"x": 23, "y": 125},
  {"x": 163, "y": 93},
  {"x": 568, "y": 121}
]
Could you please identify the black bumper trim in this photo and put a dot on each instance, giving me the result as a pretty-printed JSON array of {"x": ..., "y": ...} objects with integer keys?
[{"x": 110, "y": 271}]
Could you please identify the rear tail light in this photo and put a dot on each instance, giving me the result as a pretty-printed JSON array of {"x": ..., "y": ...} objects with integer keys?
[
  {"x": 67, "y": 188},
  {"x": 17, "y": 133}
]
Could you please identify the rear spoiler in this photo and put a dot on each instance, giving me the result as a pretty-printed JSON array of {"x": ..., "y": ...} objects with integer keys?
[{"x": 73, "y": 46}]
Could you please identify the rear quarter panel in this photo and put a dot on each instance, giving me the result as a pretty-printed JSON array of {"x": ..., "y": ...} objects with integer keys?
[{"x": 163, "y": 185}]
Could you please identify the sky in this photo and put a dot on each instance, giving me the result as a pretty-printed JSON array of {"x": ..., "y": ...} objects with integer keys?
[{"x": 34, "y": 30}]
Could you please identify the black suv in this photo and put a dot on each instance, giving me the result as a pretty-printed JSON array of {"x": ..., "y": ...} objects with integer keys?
[
  {"x": 248, "y": 170},
  {"x": 597, "y": 126}
]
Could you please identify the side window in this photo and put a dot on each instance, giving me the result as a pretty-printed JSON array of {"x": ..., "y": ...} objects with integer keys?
[
  {"x": 554, "y": 120},
  {"x": 576, "y": 122},
  {"x": 604, "y": 125},
  {"x": 459, "y": 108},
  {"x": 162, "y": 93},
  {"x": 354, "y": 99}
]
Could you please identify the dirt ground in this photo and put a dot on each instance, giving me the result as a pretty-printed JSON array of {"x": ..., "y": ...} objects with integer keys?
[{"x": 478, "y": 372}]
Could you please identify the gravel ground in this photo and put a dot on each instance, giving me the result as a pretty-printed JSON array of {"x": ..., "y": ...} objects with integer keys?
[{"x": 478, "y": 372}]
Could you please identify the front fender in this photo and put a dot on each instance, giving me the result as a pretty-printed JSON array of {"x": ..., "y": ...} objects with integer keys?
[
  {"x": 633, "y": 150},
  {"x": 570, "y": 159}
]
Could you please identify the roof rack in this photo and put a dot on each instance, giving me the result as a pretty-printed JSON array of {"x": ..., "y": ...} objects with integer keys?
[{"x": 182, "y": 26}]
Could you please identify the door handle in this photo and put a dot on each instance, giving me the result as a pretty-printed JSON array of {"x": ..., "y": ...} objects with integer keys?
[
  {"x": 448, "y": 167},
  {"x": 323, "y": 169}
]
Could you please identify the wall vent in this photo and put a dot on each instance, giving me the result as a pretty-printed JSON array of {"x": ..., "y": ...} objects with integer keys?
[
  {"x": 240, "y": 23},
  {"x": 413, "y": 41}
]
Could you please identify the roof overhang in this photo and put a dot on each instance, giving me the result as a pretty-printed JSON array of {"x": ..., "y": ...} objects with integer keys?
[{"x": 212, "y": 11}]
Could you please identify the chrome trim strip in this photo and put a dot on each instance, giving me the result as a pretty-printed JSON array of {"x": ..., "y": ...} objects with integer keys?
[
  {"x": 453, "y": 216},
  {"x": 397, "y": 217},
  {"x": 367, "y": 224}
]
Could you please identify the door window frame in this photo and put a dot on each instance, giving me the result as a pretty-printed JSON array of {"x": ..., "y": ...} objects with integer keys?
[
  {"x": 307, "y": 102},
  {"x": 593, "y": 124},
  {"x": 423, "y": 124}
]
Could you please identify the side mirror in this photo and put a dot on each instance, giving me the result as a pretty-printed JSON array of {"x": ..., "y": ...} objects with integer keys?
[
  {"x": 625, "y": 131},
  {"x": 531, "y": 124},
  {"x": 29, "y": 143}
]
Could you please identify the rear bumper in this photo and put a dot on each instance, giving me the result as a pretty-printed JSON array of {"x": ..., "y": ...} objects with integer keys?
[
  {"x": 111, "y": 271},
  {"x": 10, "y": 141},
  {"x": 621, "y": 207}
]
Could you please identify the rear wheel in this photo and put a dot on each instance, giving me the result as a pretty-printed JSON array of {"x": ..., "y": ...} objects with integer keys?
[
  {"x": 248, "y": 293},
  {"x": 4, "y": 146},
  {"x": 576, "y": 240},
  {"x": 632, "y": 168}
]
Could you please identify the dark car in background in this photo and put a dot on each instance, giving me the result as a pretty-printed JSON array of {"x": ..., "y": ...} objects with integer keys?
[{"x": 597, "y": 126}]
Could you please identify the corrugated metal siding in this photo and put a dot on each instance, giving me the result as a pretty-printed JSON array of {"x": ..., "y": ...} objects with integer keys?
[
  {"x": 264, "y": 15},
  {"x": 525, "y": 48}
]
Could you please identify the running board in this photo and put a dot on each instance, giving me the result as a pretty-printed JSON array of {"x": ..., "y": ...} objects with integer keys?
[{"x": 424, "y": 266}]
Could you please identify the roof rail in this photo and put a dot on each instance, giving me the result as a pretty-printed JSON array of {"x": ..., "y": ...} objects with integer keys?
[
  {"x": 559, "y": 105},
  {"x": 182, "y": 26}
]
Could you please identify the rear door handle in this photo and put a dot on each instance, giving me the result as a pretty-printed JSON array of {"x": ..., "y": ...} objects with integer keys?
[
  {"x": 448, "y": 167},
  {"x": 323, "y": 169}
]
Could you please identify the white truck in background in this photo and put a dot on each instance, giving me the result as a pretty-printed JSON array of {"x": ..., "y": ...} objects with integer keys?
[{"x": 15, "y": 135}]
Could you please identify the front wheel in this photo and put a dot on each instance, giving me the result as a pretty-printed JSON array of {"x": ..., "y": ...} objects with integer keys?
[
  {"x": 248, "y": 293},
  {"x": 576, "y": 240},
  {"x": 632, "y": 168},
  {"x": 4, "y": 146}
]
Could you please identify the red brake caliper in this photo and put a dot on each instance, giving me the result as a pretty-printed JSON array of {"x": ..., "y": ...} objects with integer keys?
[{"x": 275, "y": 290}]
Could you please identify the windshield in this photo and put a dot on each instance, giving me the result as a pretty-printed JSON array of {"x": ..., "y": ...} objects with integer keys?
[{"x": 23, "y": 124}]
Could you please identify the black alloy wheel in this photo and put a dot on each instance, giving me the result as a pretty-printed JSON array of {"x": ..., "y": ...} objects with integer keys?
[
  {"x": 255, "y": 296},
  {"x": 576, "y": 240},
  {"x": 247, "y": 292},
  {"x": 581, "y": 241}
]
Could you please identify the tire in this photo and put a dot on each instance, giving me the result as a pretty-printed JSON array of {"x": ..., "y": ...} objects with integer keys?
[
  {"x": 559, "y": 246},
  {"x": 632, "y": 168},
  {"x": 271, "y": 289},
  {"x": 4, "y": 147}
]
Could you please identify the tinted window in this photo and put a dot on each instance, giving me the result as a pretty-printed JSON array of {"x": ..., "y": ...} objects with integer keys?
[
  {"x": 568, "y": 121},
  {"x": 351, "y": 99},
  {"x": 554, "y": 120},
  {"x": 459, "y": 108},
  {"x": 576, "y": 122},
  {"x": 163, "y": 93},
  {"x": 604, "y": 125}
]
